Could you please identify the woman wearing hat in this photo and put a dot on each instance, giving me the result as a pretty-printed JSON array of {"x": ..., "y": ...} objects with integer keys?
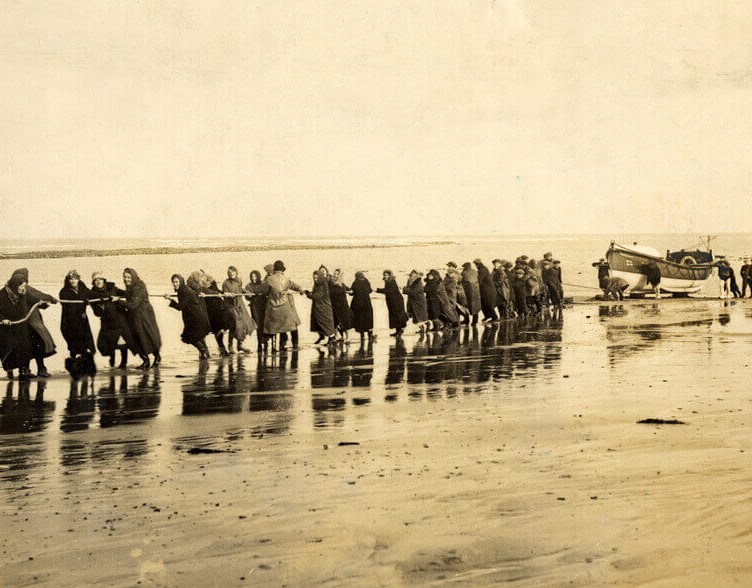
[
  {"x": 114, "y": 331},
  {"x": 74, "y": 324}
]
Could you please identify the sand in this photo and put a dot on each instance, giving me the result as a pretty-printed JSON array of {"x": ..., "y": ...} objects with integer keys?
[{"x": 512, "y": 454}]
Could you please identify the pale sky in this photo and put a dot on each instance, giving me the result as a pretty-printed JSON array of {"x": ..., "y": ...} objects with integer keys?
[{"x": 243, "y": 118}]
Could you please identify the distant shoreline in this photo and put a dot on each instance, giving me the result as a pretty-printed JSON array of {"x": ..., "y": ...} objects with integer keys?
[{"x": 61, "y": 253}]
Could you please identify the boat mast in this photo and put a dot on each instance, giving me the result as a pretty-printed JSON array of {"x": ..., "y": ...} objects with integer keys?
[{"x": 706, "y": 240}]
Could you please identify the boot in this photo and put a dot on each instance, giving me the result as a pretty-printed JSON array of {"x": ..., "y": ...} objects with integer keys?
[
  {"x": 9, "y": 373},
  {"x": 123, "y": 357},
  {"x": 42, "y": 369},
  {"x": 157, "y": 360},
  {"x": 221, "y": 344},
  {"x": 145, "y": 362},
  {"x": 230, "y": 345},
  {"x": 24, "y": 374},
  {"x": 112, "y": 359}
]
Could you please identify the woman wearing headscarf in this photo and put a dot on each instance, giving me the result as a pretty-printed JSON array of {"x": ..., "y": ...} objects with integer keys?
[
  {"x": 74, "y": 324},
  {"x": 244, "y": 323},
  {"x": 322, "y": 319},
  {"x": 220, "y": 311},
  {"x": 417, "y": 308},
  {"x": 257, "y": 305},
  {"x": 114, "y": 330},
  {"x": 141, "y": 319},
  {"x": 440, "y": 308},
  {"x": 195, "y": 318},
  {"x": 18, "y": 341},
  {"x": 395, "y": 304},
  {"x": 343, "y": 318},
  {"x": 361, "y": 306},
  {"x": 43, "y": 344},
  {"x": 472, "y": 290},
  {"x": 487, "y": 291}
]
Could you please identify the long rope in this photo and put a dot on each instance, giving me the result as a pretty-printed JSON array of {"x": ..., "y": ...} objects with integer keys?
[
  {"x": 24, "y": 319},
  {"x": 579, "y": 286}
]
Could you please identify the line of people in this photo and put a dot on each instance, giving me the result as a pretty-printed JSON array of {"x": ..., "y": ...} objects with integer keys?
[
  {"x": 522, "y": 288},
  {"x": 265, "y": 305}
]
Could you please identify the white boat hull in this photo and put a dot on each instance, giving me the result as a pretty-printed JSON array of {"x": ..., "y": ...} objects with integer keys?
[{"x": 638, "y": 283}]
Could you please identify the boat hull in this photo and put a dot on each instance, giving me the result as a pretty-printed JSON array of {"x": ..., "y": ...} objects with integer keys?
[{"x": 676, "y": 278}]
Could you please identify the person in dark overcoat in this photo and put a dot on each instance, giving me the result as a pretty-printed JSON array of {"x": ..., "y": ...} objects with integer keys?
[
  {"x": 395, "y": 304},
  {"x": 18, "y": 342},
  {"x": 220, "y": 311},
  {"x": 195, "y": 317},
  {"x": 141, "y": 318},
  {"x": 439, "y": 303},
  {"x": 417, "y": 307},
  {"x": 501, "y": 284},
  {"x": 519, "y": 288},
  {"x": 322, "y": 319},
  {"x": 343, "y": 318},
  {"x": 114, "y": 330},
  {"x": 455, "y": 291},
  {"x": 553, "y": 285},
  {"x": 472, "y": 290},
  {"x": 44, "y": 345},
  {"x": 487, "y": 291},
  {"x": 361, "y": 307},
  {"x": 74, "y": 324}
]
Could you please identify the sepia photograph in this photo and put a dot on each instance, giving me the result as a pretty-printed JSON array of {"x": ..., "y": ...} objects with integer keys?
[{"x": 391, "y": 293}]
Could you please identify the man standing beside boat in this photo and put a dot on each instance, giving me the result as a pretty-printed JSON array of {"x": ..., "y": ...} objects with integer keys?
[{"x": 746, "y": 274}]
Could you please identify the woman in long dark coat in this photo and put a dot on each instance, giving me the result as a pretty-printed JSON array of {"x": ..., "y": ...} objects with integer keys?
[
  {"x": 141, "y": 318},
  {"x": 74, "y": 324},
  {"x": 114, "y": 330},
  {"x": 244, "y": 323},
  {"x": 343, "y": 318},
  {"x": 440, "y": 308},
  {"x": 220, "y": 311},
  {"x": 417, "y": 307},
  {"x": 455, "y": 291},
  {"x": 395, "y": 304},
  {"x": 322, "y": 319},
  {"x": 44, "y": 346},
  {"x": 361, "y": 306},
  {"x": 17, "y": 341},
  {"x": 487, "y": 291},
  {"x": 195, "y": 318},
  {"x": 472, "y": 290}
]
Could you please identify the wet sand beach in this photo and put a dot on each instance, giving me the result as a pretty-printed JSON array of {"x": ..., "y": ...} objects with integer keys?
[{"x": 507, "y": 453}]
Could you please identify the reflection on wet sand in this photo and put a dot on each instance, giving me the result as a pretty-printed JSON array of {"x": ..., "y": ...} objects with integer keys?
[
  {"x": 626, "y": 339},
  {"x": 265, "y": 394},
  {"x": 23, "y": 414},
  {"x": 117, "y": 403}
]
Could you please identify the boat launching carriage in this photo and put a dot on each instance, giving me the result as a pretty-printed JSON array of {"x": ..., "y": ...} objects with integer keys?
[{"x": 682, "y": 272}]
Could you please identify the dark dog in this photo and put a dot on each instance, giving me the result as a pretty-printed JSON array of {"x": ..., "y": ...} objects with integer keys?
[{"x": 81, "y": 365}]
